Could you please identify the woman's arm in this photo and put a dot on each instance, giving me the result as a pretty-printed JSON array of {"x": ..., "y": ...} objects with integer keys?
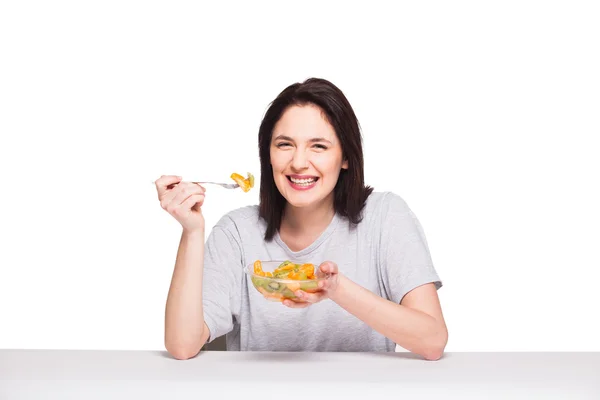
[
  {"x": 185, "y": 329},
  {"x": 416, "y": 324}
]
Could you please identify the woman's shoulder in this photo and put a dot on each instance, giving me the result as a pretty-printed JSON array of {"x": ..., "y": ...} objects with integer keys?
[
  {"x": 244, "y": 218},
  {"x": 384, "y": 202}
]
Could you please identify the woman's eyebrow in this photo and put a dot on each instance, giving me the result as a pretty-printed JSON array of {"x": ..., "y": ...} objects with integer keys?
[
  {"x": 284, "y": 137},
  {"x": 319, "y": 139},
  {"x": 313, "y": 140}
]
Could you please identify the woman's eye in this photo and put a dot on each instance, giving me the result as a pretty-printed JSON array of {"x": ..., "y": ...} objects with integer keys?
[
  {"x": 320, "y": 146},
  {"x": 282, "y": 144}
]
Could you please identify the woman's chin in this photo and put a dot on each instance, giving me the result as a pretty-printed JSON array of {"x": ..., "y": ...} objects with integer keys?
[
  {"x": 297, "y": 202},
  {"x": 301, "y": 204},
  {"x": 304, "y": 200}
]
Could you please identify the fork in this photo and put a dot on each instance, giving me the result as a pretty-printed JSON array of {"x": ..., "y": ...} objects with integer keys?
[{"x": 224, "y": 185}]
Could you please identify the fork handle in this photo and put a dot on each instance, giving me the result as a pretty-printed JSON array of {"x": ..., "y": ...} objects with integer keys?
[{"x": 223, "y": 185}]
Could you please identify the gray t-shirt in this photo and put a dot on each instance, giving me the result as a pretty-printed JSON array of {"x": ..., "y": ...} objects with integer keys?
[{"x": 386, "y": 253}]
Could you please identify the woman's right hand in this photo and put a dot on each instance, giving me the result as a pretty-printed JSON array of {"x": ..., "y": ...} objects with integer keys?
[{"x": 183, "y": 200}]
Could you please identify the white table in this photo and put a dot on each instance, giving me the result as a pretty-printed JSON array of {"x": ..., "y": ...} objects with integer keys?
[{"x": 73, "y": 374}]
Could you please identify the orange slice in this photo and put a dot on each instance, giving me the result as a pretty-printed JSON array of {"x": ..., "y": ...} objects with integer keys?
[{"x": 245, "y": 183}]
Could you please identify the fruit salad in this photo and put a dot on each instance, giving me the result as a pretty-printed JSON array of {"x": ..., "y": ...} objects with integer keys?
[
  {"x": 287, "y": 278},
  {"x": 245, "y": 183}
]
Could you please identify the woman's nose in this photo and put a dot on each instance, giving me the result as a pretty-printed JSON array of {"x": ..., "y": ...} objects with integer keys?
[{"x": 300, "y": 160}]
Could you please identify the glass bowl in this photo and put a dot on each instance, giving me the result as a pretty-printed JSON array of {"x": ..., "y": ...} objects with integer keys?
[{"x": 279, "y": 289}]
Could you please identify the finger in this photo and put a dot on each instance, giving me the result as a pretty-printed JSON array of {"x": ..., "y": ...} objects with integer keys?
[
  {"x": 165, "y": 181},
  {"x": 295, "y": 304},
  {"x": 167, "y": 196},
  {"x": 194, "y": 202},
  {"x": 309, "y": 297},
  {"x": 166, "y": 192},
  {"x": 328, "y": 267},
  {"x": 167, "y": 201},
  {"x": 184, "y": 191}
]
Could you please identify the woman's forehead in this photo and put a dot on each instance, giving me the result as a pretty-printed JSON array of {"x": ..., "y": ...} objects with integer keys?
[{"x": 304, "y": 123}]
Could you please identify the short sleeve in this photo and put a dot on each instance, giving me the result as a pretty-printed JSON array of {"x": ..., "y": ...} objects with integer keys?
[
  {"x": 404, "y": 253},
  {"x": 221, "y": 281}
]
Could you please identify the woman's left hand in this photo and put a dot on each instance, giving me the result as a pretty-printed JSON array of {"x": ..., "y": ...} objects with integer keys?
[{"x": 326, "y": 287}]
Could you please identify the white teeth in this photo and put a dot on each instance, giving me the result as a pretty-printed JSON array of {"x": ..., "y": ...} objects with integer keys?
[{"x": 303, "y": 181}]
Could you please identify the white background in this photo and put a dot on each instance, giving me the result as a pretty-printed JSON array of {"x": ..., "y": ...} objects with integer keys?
[{"x": 483, "y": 116}]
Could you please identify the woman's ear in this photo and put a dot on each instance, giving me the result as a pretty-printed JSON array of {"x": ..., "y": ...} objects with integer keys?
[{"x": 345, "y": 164}]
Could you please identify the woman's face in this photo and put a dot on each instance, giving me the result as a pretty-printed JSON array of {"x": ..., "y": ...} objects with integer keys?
[{"x": 306, "y": 156}]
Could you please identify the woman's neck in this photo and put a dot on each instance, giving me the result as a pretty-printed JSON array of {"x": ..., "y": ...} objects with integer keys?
[{"x": 305, "y": 224}]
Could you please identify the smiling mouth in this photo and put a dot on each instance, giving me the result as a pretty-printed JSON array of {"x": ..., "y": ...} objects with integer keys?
[{"x": 303, "y": 181}]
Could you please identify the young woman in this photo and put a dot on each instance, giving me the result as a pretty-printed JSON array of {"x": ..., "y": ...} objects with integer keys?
[{"x": 315, "y": 208}]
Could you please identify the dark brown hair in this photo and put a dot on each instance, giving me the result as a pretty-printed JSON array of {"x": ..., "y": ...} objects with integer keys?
[{"x": 350, "y": 192}]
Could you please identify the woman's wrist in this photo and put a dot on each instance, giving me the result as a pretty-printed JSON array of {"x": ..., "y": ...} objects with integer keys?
[
  {"x": 192, "y": 234},
  {"x": 341, "y": 288}
]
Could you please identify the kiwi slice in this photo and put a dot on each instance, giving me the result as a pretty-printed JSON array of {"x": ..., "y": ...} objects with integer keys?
[
  {"x": 260, "y": 282},
  {"x": 309, "y": 286},
  {"x": 302, "y": 276},
  {"x": 281, "y": 274},
  {"x": 285, "y": 264},
  {"x": 273, "y": 286}
]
